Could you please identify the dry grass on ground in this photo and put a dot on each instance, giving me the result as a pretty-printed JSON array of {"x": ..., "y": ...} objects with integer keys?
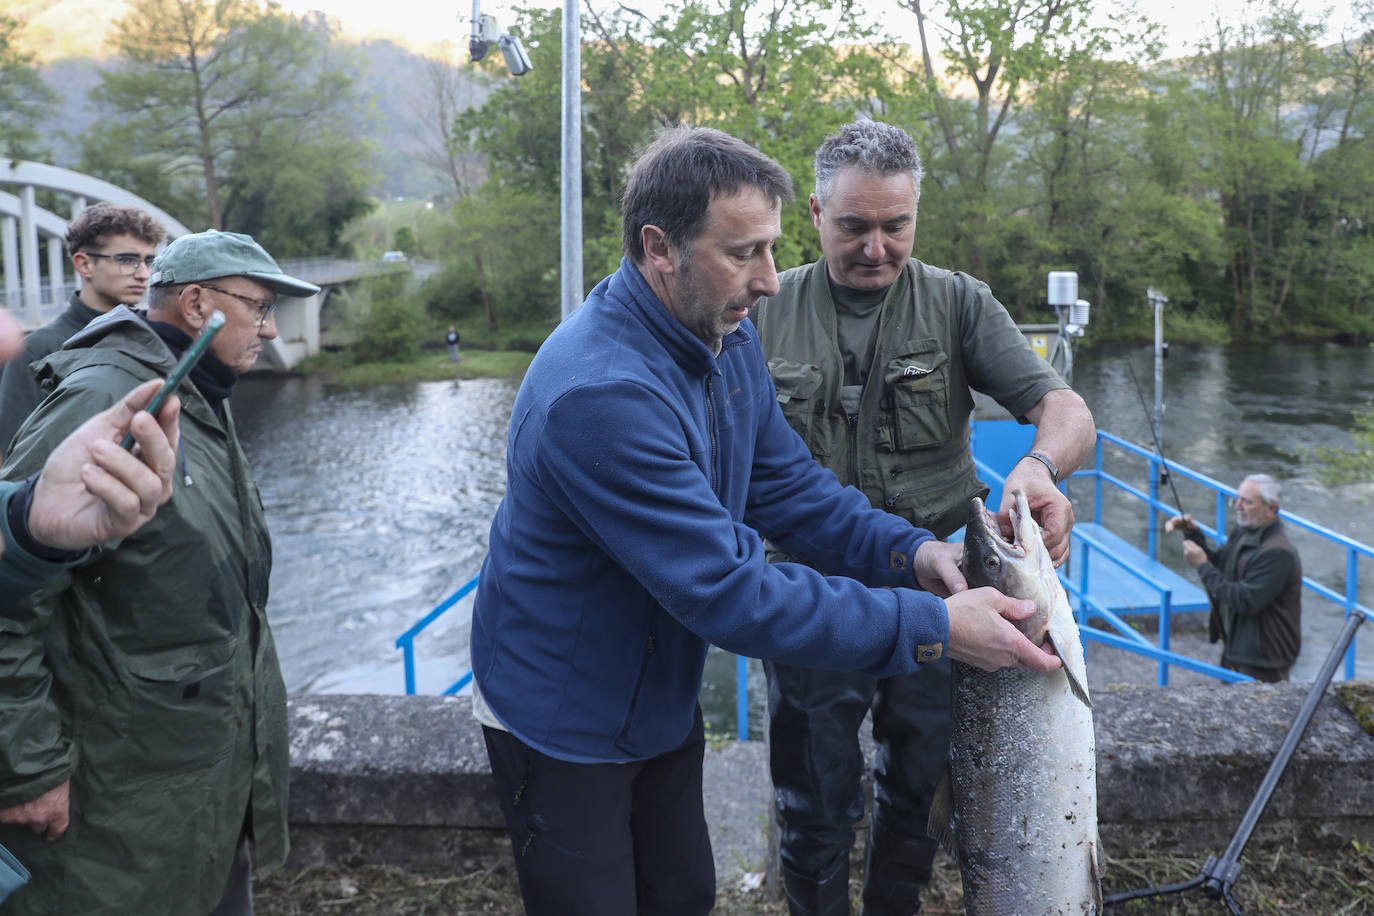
[{"x": 1284, "y": 883}]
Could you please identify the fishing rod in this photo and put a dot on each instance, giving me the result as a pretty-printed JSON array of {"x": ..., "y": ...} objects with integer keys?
[
  {"x": 1219, "y": 873},
  {"x": 1159, "y": 449}
]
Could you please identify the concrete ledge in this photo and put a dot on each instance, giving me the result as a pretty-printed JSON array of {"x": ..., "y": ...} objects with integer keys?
[
  {"x": 1179, "y": 766},
  {"x": 403, "y": 780}
]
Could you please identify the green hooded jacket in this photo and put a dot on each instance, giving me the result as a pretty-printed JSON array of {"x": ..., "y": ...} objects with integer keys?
[{"x": 147, "y": 676}]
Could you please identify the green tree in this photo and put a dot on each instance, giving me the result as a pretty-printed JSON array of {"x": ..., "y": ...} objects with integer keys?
[
  {"x": 1258, "y": 83},
  {"x": 994, "y": 54},
  {"x": 23, "y": 94},
  {"x": 1340, "y": 284},
  {"x": 389, "y": 321},
  {"x": 1111, "y": 193},
  {"x": 780, "y": 78},
  {"x": 1338, "y": 466},
  {"x": 202, "y": 87},
  {"x": 504, "y": 242},
  {"x": 296, "y": 189}
]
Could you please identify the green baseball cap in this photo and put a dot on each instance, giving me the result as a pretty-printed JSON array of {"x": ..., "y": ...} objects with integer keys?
[{"x": 212, "y": 254}]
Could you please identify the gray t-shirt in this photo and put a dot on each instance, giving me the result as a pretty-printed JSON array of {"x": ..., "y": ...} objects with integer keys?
[{"x": 857, "y": 312}]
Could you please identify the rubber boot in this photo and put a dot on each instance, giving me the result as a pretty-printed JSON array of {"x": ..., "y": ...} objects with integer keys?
[
  {"x": 808, "y": 897},
  {"x": 896, "y": 875}
]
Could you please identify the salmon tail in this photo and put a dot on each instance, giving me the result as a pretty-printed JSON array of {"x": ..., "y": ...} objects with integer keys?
[{"x": 940, "y": 824}]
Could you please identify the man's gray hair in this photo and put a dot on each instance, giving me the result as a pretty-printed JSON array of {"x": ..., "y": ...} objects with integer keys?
[
  {"x": 874, "y": 147},
  {"x": 1269, "y": 489},
  {"x": 163, "y": 297}
]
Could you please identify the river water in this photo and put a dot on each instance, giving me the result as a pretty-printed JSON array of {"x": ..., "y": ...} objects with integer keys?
[{"x": 379, "y": 499}]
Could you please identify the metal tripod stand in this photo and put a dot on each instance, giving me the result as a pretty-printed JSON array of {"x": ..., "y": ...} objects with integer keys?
[{"x": 1219, "y": 875}]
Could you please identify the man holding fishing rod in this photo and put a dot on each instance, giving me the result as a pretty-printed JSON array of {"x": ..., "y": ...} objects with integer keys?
[
  {"x": 143, "y": 739},
  {"x": 873, "y": 354},
  {"x": 1254, "y": 581}
]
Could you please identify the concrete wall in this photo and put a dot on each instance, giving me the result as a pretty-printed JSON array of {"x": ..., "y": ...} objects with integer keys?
[{"x": 404, "y": 780}]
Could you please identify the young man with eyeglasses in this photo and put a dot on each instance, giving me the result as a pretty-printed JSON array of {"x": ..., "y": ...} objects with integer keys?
[
  {"x": 112, "y": 249},
  {"x": 142, "y": 710}
]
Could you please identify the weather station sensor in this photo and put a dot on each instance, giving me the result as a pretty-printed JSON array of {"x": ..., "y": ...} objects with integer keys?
[{"x": 1062, "y": 293}]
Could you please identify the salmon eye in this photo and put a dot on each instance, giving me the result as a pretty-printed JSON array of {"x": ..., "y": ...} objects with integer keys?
[{"x": 992, "y": 561}]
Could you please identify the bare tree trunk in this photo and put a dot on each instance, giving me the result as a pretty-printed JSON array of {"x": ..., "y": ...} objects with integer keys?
[{"x": 482, "y": 285}]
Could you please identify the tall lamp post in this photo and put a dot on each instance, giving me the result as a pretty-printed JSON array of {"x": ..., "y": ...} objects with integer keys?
[
  {"x": 571, "y": 223},
  {"x": 487, "y": 32}
]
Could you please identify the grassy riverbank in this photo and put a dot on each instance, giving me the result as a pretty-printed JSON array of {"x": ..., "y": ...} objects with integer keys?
[
  {"x": 1271, "y": 884},
  {"x": 431, "y": 367}
]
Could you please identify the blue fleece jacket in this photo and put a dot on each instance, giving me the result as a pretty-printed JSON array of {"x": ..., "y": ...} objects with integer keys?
[{"x": 642, "y": 470}]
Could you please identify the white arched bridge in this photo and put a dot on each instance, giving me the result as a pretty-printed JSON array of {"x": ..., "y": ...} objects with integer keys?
[{"x": 38, "y": 276}]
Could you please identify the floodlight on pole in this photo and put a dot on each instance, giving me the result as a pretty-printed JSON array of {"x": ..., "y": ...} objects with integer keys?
[{"x": 486, "y": 31}]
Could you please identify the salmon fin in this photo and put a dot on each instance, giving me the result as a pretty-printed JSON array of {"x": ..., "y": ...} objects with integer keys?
[
  {"x": 940, "y": 824},
  {"x": 1069, "y": 648},
  {"x": 1095, "y": 865}
]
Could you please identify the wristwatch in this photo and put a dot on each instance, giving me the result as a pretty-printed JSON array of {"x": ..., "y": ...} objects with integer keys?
[{"x": 1049, "y": 465}]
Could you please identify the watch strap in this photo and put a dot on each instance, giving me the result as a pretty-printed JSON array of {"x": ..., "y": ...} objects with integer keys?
[{"x": 1049, "y": 465}]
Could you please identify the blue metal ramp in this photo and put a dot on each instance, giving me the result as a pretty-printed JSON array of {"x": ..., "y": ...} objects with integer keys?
[{"x": 1118, "y": 577}]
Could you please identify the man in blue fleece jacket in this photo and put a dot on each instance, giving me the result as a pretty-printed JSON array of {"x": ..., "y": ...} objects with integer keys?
[{"x": 647, "y": 457}]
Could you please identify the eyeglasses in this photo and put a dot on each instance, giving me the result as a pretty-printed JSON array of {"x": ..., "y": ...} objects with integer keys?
[
  {"x": 264, "y": 309},
  {"x": 127, "y": 263}
]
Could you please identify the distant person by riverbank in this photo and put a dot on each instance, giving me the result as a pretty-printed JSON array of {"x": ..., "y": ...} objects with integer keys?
[{"x": 452, "y": 340}]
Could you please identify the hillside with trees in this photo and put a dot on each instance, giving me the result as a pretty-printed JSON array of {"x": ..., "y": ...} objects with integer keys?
[{"x": 1235, "y": 179}]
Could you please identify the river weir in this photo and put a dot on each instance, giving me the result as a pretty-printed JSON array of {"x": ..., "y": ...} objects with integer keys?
[{"x": 379, "y": 498}]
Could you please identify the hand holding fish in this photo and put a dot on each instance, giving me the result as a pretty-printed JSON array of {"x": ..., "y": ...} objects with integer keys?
[
  {"x": 937, "y": 568},
  {"x": 1049, "y": 507},
  {"x": 982, "y": 632}
]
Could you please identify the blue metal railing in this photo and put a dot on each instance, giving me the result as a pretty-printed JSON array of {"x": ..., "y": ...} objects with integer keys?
[
  {"x": 406, "y": 641},
  {"x": 1125, "y": 636}
]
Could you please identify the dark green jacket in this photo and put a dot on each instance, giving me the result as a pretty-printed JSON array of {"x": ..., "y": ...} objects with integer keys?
[
  {"x": 21, "y": 573},
  {"x": 19, "y": 393},
  {"x": 148, "y": 675},
  {"x": 940, "y": 334},
  {"x": 1255, "y": 583}
]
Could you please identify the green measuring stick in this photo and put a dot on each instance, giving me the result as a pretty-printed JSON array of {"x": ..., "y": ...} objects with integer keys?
[{"x": 188, "y": 362}]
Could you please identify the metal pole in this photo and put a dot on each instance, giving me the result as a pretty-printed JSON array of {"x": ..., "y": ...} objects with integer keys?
[
  {"x": 1157, "y": 300},
  {"x": 572, "y": 160},
  {"x": 1158, "y": 303}
]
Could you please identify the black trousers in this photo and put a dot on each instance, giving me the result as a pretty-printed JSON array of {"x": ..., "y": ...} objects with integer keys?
[
  {"x": 817, "y": 764},
  {"x": 607, "y": 839}
]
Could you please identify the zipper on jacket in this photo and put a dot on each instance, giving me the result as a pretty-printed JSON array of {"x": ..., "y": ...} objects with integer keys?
[
  {"x": 711, "y": 434},
  {"x": 852, "y": 422}
]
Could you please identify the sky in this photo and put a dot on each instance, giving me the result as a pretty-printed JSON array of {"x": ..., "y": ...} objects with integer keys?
[{"x": 421, "y": 23}]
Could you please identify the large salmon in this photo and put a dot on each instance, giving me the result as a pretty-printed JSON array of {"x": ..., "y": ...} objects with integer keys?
[{"x": 1018, "y": 807}]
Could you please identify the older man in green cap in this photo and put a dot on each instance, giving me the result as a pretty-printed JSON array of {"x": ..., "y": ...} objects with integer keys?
[{"x": 143, "y": 744}]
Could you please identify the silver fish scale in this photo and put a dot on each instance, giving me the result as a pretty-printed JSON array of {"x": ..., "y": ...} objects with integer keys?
[{"x": 1024, "y": 794}]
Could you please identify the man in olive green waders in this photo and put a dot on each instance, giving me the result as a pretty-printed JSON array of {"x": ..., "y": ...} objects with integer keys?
[
  {"x": 143, "y": 743},
  {"x": 873, "y": 354}
]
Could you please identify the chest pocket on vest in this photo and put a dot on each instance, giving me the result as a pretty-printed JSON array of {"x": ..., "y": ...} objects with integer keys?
[
  {"x": 797, "y": 385},
  {"x": 916, "y": 397}
]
